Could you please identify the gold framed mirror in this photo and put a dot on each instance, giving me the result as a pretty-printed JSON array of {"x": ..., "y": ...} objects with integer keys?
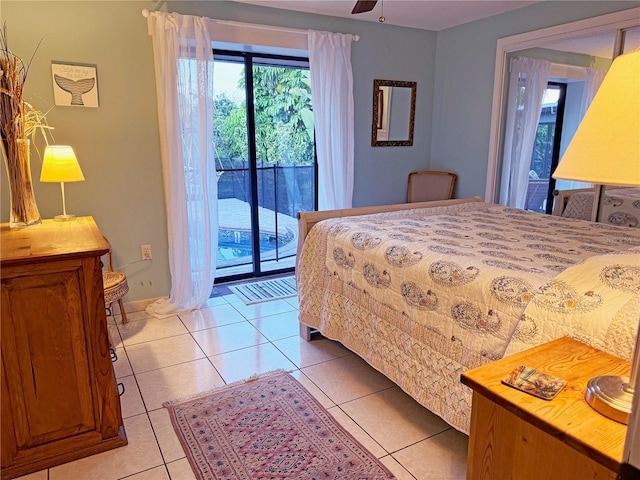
[{"x": 394, "y": 110}]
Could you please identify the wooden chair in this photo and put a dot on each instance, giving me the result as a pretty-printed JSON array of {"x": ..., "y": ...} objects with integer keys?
[
  {"x": 115, "y": 286},
  {"x": 425, "y": 186}
]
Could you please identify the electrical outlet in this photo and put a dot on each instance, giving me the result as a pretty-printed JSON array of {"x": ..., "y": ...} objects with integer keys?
[{"x": 146, "y": 252}]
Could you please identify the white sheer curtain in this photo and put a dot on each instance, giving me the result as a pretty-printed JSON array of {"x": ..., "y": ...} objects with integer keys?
[
  {"x": 183, "y": 59},
  {"x": 332, "y": 92},
  {"x": 527, "y": 83},
  {"x": 592, "y": 82}
]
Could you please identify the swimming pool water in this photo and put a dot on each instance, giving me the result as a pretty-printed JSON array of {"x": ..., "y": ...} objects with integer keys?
[{"x": 236, "y": 244}]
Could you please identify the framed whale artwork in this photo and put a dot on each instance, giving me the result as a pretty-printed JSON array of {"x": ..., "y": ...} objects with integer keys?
[{"x": 74, "y": 84}]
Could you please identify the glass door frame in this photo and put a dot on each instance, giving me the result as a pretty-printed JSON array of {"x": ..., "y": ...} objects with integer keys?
[
  {"x": 612, "y": 22},
  {"x": 248, "y": 60},
  {"x": 557, "y": 141}
]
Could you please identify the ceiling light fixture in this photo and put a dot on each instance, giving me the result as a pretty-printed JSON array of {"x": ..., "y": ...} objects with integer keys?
[{"x": 381, "y": 19}]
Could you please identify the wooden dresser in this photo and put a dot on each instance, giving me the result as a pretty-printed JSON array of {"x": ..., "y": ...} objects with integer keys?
[
  {"x": 59, "y": 396},
  {"x": 518, "y": 436}
]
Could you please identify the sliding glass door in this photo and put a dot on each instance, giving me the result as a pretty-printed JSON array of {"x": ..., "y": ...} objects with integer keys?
[
  {"x": 265, "y": 160},
  {"x": 546, "y": 149}
]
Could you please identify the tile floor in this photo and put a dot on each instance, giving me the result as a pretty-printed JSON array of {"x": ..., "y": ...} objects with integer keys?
[{"x": 164, "y": 359}]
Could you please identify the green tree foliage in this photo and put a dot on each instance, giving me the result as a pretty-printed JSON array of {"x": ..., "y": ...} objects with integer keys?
[
  {"x": 230, "y": 129},
  {"x": 543, "y": 150},
  {"x": 283, "y": 116}
]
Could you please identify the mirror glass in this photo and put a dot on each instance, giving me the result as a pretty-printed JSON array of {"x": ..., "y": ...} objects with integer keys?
[
  {"x": 575, "y": 41},
  {"x": 394, "y": 105}
]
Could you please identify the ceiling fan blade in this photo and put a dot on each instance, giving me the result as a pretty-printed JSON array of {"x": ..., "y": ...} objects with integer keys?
[{"x": 362, "y": 6}]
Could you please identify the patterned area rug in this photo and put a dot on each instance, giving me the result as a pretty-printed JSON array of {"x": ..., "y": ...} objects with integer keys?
[
  {"x": 268, "y": 428},
  {"x": 266, "y": 290}
]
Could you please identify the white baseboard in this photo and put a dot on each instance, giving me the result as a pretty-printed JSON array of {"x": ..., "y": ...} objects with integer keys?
[{"x": 135, "y": 306}]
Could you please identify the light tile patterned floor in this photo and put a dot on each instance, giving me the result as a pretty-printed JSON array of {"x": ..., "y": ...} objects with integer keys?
[{"x": 164, "y": 359}]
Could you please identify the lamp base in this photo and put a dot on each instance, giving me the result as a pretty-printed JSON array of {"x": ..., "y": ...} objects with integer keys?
[
  {"x": 64, "y": 218},
  {"x": 610, "y": 396}
]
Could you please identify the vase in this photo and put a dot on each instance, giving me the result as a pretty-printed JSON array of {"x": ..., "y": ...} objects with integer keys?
[{"x": 23, "y": 209}]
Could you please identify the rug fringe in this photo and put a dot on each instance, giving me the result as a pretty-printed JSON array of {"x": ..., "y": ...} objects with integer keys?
[{"x": 252, "y": 378}]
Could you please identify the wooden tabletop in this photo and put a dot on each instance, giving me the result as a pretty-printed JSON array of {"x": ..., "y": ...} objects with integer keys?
[
  {"x": 50, "y": 240},
  {"x": 567, "y": 417}
]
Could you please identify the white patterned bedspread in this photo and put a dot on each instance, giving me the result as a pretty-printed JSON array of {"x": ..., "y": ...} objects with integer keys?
[
  {"x": 424, "y": 294},
  {"x": 596, "y": 302}
]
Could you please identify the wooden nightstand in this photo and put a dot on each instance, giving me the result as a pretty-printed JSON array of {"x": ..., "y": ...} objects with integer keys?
[{"x": 515, "y": 435}]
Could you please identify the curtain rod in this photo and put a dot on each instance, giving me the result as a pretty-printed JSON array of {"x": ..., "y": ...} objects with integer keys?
[{"x": 146, "y": 13}]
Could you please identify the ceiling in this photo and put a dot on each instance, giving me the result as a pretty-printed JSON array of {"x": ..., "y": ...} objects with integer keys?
[
  {"x": 423, "y": 14},
  {"x": 439, "y": 15},
  {"x": 601, "y": 45}
]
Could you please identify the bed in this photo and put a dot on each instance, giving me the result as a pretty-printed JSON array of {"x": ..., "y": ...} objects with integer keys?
[
  {"x": 423, "y": 292},
  {"x": 621, "y": 206}
]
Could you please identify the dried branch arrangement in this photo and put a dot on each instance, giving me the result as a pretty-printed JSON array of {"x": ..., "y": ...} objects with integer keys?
[{"x": 19, "y": 122}]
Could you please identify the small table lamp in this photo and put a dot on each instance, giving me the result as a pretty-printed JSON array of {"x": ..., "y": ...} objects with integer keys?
[
  {"x": 605, "y": 150},
  {"x": 61, "y": 165}
]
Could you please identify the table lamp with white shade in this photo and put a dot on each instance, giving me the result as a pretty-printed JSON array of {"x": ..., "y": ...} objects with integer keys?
[
  {"x": 605, "y": 150},
  {"x": 61, "y": 165}
]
